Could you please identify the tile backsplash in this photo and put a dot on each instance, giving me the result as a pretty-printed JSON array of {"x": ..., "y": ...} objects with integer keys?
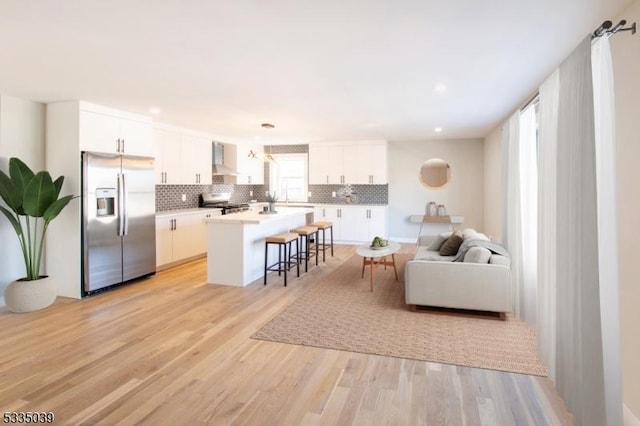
[{"x": 169, "y": 197}]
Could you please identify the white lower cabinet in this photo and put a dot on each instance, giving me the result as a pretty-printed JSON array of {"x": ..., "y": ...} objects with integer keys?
[
  {"x": 354, "y": 224},
  {"x": 180, "y": 236}
]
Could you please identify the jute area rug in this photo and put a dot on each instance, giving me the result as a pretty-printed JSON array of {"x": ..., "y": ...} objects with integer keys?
[{"x": 339, "y": 312}]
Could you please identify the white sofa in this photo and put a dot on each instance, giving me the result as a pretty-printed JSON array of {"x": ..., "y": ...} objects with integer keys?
[{"x": 434, "y": 280}]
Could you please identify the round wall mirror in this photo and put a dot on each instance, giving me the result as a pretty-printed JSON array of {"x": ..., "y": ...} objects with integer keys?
[{"x": 435, "y": 173}]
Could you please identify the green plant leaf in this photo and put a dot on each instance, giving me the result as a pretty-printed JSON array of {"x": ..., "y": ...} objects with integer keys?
[
  {"x": 13, "y": 220},
  {"x": 20, "y": 174},
  {"x": 58, "y": 184},
  {"x": 40, "y": 193},
  {"x": 10, "y": 193},
  {"x": 55, "y": 208}
]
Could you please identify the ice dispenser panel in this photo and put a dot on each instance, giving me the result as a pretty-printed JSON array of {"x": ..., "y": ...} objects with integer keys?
[{"x": 105, "y": 200}]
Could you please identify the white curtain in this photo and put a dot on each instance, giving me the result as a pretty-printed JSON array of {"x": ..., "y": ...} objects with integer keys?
[
  {"x": 578, "y": 289},
  {"x": 603, "y": 92},
  {"x": 529, "y": 212},
  {"x": 512, "y": 232},
  {"x": 547, "y": 254}
]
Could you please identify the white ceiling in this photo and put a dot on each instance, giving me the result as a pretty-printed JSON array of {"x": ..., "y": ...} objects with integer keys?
[{"x": 318, "y": 70}]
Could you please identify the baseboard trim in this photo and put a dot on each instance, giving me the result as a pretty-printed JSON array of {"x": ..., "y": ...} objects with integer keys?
[{"x": 628, "y": 419}]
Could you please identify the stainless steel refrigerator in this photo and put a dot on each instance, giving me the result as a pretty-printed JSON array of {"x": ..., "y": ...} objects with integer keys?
[{"x": 118, "y": 219}]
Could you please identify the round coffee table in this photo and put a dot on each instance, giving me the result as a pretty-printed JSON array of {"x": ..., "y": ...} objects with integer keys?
[{"x": 378, "y": 256}]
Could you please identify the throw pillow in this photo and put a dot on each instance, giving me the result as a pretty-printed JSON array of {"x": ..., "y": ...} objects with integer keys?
[
  {"x": 469, "y": 234},
  {"x": 451, "y": 246},
  {"x": 439, "y": 240},
  {"x": 477, "y": 255}
]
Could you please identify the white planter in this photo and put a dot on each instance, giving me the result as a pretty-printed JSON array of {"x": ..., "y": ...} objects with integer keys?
[{"x": 28, "y": 296}]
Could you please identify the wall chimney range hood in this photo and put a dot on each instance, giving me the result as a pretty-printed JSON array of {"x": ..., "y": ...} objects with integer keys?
[{"x": 219, "y": 169}]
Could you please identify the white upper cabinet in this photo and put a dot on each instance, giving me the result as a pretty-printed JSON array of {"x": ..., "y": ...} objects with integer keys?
[
  {"x": 112, "y": 131},
  {"x": 181, "y": 159},
  {"x": 248, "y": 161},
  {"x": 348, "y": 163},
  {"x": 168, "y": 163},
  {"x": 196, "y": 159},
  {"x": 326, "y": 164}
]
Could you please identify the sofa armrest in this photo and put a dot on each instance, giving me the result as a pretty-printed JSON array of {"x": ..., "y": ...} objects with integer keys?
[{"x": 458, "y": 285}]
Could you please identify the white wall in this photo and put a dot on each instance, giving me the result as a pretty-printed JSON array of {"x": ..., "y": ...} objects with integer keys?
[
  {"x": 626, "y": 63},
  {"x": 493, "y": 186},
  {"x": 463, "y": 196},
  {"x": 22, "y": 129}
]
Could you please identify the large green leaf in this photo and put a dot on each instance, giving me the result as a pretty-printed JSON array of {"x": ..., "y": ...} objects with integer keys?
[
  {"x": 20, "y": 174},
  {"x": 13, "y": 220},
  {"x": 9, "y": 192},
  {"x": 39, "y": 194},
  {"x": 58, "y": 184},
  {"x": 55, "y": 208}
]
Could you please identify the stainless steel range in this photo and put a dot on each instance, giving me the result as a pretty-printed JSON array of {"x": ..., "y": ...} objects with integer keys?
[{"x": 221, "y": 201}]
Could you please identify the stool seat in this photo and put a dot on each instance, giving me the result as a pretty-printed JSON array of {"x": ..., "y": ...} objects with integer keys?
[
  {"x": 282, "y": 238},
  {"x": 322, "y": 224},
  {"x": 305, "y": 230}
]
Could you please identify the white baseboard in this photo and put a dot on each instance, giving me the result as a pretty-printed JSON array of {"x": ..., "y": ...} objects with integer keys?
[{"x": 628, "y": 419}]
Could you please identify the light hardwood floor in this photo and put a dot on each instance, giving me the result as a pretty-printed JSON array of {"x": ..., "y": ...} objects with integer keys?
[{"x": 174, "y": 350}]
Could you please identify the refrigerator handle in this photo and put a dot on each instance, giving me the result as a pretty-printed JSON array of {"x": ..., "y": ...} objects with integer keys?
[
  {"x": 120, "y": 206},
  {"x": 125, "y": 194}
]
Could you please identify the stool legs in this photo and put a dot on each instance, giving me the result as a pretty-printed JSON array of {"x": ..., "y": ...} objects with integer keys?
[
  {"x": 283, "y": 264},
  {"x": 324, "y": 242},
  {"x": 305, "y": 241}
]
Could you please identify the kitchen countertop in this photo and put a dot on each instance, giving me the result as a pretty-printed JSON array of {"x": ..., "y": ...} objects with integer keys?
[
  {"x": 255, "y": 218},
  {"x": 182, "y": 211}
]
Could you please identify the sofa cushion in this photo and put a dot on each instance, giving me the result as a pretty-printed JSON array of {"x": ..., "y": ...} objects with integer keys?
[
  {"x": 439, "y": 239},
  {"x": 451, "y": 246},
  {"x": 423, "y": 253},
  {"x": 498, "y": 259},
  {"x": 477, "y": 255}
]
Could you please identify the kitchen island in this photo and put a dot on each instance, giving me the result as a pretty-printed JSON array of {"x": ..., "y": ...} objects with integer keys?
[{"x": 235, "y": 243}]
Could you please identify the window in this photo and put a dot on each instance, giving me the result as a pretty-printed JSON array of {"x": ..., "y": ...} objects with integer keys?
[{"x": 289, "y": 177}]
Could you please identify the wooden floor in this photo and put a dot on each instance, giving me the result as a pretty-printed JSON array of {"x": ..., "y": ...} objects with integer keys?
[{"x": 173, "y": 350}]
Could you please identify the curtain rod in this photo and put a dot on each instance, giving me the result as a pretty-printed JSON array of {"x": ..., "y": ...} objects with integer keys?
[{"x": 605, "y": 28}]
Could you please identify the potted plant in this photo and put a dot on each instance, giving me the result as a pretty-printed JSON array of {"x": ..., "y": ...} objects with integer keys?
[
  {"x": 271, "y": 199},
  {"x": 33, "y": 202}
]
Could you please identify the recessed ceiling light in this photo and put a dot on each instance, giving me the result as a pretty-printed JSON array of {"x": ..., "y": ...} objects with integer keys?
[
  {"x": 438, "y": 129},
  {"x": 154, "y": 110},
  {"x": 440, "y": 88}
]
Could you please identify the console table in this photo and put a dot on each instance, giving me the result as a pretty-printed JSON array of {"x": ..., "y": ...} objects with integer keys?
[{"x": 422, "y": 219}]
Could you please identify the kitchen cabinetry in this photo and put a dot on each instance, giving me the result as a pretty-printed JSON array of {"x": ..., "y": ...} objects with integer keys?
[
  {"x": 354, "y": 223},
  {"x": 181, "y": 159},
  {"x": 360, "y": 164},
  {"x": 167, "y": 154},
  {"x": 248, "y": 161},
  {"x": 112, "y": 131},
  {"x": 180, "y": 237},
  {"x": 326, "y": 164},
  {"x": 367, "y": 164},
  {"x": 196, "y": 160}
]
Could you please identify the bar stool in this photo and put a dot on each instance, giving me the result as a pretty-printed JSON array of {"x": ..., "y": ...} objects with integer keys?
[
  {"x": 283, "y": 241},
  {"x": 306, "y": 233},
  {"x": 323, "y": 226}
]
